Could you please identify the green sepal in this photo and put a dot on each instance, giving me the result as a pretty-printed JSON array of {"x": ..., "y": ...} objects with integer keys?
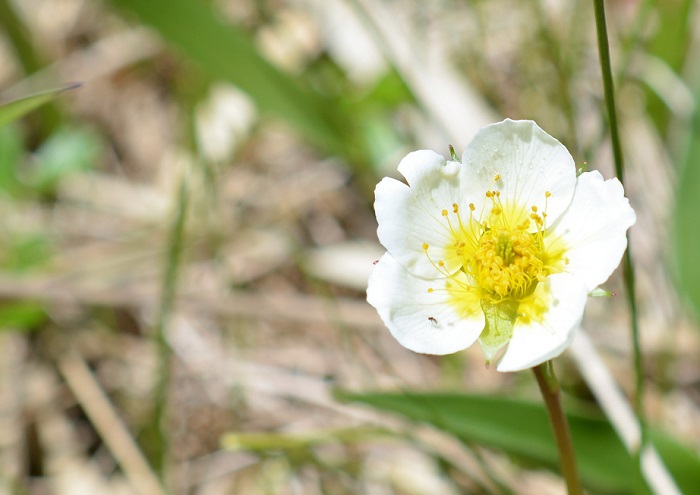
[
  {"x": 498, "y": 327},
  {"x": 598, "y": 292},
  {"x": 453, "y": 155},
  {"x": 581, "y": 169}
]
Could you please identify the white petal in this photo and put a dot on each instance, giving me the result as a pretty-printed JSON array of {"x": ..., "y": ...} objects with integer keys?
[
  {"x": 419, "y": 320},
  {"x": 536, "y": 342},
  {"x": 594, "y": 228},
  {"x": 411, "y": 216},
  {"x": 529, "y": 162},
  {"x": 421, "y": 165}
]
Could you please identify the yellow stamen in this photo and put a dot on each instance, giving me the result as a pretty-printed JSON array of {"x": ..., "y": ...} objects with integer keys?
[{"x": 496, "y": 258}]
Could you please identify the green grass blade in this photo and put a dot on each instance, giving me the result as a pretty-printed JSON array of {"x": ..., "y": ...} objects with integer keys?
[
  {"x": 670, "y": 42},
  {"x": 14, "y": 109},
  {"x": 226, "y": 52},
  {"x": 520, "y": 428},
  {"x": 175, "y": 245},
  {"x": 687, "y": 225},
  {"x": 681, "y": 461}
]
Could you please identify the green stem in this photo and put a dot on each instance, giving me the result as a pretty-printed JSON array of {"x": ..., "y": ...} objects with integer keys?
[
  {"x": 605, "y": 67},
  {"x": 20, "y": 38},
  {"x": 549, "y": 386},
  {"x": 167, "y": 300}
]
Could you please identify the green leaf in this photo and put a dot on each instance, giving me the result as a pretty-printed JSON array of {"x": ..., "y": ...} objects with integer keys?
[
  {"x": 227, "y": 53},
  {"x": 687, "y": 227},
  {"x": 681, "y": 461},
  {"x": 20, "y": 253},
  {"x": 669, "y": 42},
  {"x": 270, "y": 441},
  {"x": 498, "y": 328},
  {"x": 522, "y": 429},
  {"x": 15, "y": 109},
  {"x": 67, "y": 151},
  {"x": 11, "y": 153},
  {"x": 21, "y": 316}
]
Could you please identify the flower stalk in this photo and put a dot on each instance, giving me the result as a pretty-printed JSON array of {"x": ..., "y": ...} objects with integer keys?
[{"x": 549, "y": 386}]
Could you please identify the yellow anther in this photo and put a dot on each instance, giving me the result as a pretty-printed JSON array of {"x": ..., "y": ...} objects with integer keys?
[
  {"x": 502, "y": 251},
  {"x": 425, "y": 246},
  {"x": 507, "y": 263}
]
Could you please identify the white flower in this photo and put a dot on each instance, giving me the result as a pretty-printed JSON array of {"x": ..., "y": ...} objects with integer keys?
[{"x": 502, "y": 248}]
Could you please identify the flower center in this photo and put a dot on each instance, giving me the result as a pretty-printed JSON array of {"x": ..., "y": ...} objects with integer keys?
[
  {"x": 507, "y": 263},
  {"x": 498, "y": 257},
  {"x": 494, "y": 263},
  {"x": 502, "y": 256}
]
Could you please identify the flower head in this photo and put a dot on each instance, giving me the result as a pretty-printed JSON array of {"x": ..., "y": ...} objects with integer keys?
[{"x": 502, "y": 248}]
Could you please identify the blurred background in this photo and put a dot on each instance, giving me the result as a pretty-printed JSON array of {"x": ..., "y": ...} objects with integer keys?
[{"x": 185, "y": 240}]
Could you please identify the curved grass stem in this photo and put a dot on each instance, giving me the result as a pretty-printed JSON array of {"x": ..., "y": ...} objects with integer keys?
[{"x": 549, "y": 386}]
